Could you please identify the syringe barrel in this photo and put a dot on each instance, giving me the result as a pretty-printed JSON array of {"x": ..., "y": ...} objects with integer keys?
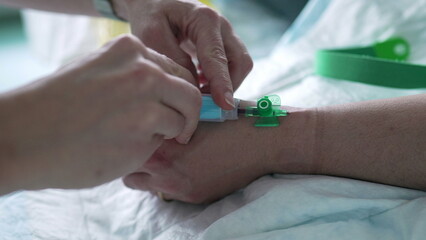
[{"x": 210, "y": 112}]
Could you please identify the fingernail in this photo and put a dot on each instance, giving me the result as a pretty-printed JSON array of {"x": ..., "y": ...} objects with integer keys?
[{"x": 229, "y": 99}]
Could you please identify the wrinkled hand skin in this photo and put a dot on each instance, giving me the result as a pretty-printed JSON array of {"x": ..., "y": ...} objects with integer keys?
[
  {"x": 221, "y": 158},
  {"x": 180, "y": 29}
]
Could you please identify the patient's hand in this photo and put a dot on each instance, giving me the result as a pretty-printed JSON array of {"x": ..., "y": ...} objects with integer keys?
[{"x": 221, "y": 158}]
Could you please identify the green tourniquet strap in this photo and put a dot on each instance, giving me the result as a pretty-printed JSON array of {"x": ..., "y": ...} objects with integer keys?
[{"x": 380, "y": 64}]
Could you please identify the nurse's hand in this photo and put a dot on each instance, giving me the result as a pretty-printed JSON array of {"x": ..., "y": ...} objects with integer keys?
[
  {"x": 165, "y": 25},
  {"x": 96, "y": 119},
  {"x": 221, "y": 158}
]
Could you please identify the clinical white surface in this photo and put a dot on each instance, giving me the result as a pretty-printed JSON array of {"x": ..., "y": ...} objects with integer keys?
[{"x": 273, "y": 207}]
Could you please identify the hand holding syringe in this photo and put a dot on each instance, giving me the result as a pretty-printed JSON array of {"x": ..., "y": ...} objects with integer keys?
[{"x": 268, "y": 110}]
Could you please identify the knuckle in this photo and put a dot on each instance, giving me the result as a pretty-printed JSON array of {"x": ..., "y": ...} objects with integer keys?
[
  {"x": 184, "y": 61},
  {"x": 192, "y": 98},
  {"x": 139, "y": 70},
  {"x": 247, "y": 61},
  {"x": 151, "y": 53},
  {"x": 186, "y": 80},
  {"x": 217, "y": 54},
  {"x": 125, "y": 47},
  {"x": 163, "y": 79},
  {"x": 184, "y": 73},
  {"x": 147, "y": 75},
  {"x": 174, "y": 68},
  {"x": 226, "y": 24},
  {"x": 152, "y": 32},
  {"x": 127, "y": 41},
  {"x": 156, "y": 58},
  {"x": 207, "y": 13},
  {"x": 182, "y": 67}
]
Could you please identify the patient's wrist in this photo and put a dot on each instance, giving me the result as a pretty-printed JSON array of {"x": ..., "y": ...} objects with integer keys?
[
  {"x": 295, "y": 142},
  {"x": 289, "y": 148}
]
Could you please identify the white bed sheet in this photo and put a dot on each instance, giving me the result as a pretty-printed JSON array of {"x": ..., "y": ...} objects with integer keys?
[{"x": 273, "y": 207}]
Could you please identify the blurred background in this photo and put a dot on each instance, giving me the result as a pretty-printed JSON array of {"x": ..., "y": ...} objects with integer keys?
[
  {"x": 17, "y": 63},
  {"x": 33, "y": 43}
]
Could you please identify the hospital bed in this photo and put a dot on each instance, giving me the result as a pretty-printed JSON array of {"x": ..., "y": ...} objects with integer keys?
[{"x": 274, "y": 206}]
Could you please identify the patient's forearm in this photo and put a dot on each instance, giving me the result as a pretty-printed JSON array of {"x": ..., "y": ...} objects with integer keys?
[{"x": 382, "y": 141}]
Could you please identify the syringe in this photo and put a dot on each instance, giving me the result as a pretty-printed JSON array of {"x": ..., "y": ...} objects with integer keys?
[
  {"x": 210, "y": 112},
  {"x": 267, "y": 110}
]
